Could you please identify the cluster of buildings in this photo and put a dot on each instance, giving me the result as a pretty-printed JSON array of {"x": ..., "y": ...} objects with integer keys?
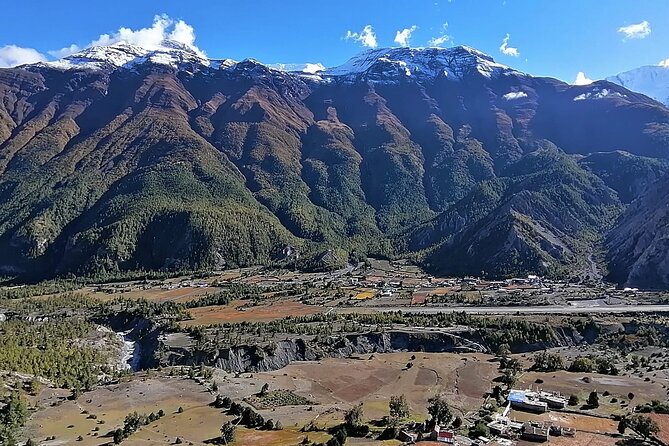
[
  {"x": 448, "y": 437},
  {"x": 529, "y": 430},
  {"x": 536, "y": 401}
]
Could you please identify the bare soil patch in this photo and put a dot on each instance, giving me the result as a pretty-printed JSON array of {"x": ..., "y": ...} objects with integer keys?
[
  {"x": 662, "y": 420},
  {"x": 105, "y": 409},
  {"x": 569, "y": 383},
  {"x": 233, "y": 312}
]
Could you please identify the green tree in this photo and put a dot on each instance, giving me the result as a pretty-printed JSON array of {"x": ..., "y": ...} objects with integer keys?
[
  {"x": 338, "y": 437},
  {"x": 511, "y": 364},
  {"x": 643, "y": 425},
  {"x": 593, "y": 399},
  {"x": 479, "y": 430},
  {"x": 15, "y": 412},
  {"x": 503, "y": 350},
  {"x": 582, "y": 364},
  {"x": 399, "y": 408},
  {"x": 439, "y": 410},
  {"x": 353, "y": 417},
  {"x": 622, "y": 425},
  {"x": 264, "y": 390},
  {"x": 34, "y": 387},
  {"x": 228, "y": 433},
  {"x": 548, "y": 362}
]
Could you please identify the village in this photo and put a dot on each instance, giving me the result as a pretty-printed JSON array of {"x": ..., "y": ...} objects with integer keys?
[
  {"x": 504, "y": 429},
  {"x": 328, "y": 342},
  {"x": 398, "y": 285}
]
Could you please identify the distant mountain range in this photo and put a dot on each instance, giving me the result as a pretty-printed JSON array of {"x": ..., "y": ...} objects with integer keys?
[{"x": 121, "y": 159}]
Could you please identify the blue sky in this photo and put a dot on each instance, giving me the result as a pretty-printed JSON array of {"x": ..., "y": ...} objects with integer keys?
[{"x": 556, "y": 38}]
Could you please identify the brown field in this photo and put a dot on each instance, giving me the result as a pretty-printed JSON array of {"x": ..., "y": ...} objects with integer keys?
[
  {"x": 156, "y": 294},
  {"x": 337, "y": 384},
  {"x": 578, "y": 422},
  {"x": 591, "y": 431},
  {"x": 285, "y": 437},
  {"x": 219, "y": 314},
  {"x": 419, "y": 298},
  {"x": 111, "y": 404},
  {"x": 663, "y": 421},
  {"x": 334, "y": 384},
  {"x": 569, "y": 383},
  {"x": 581, "y": 439}
]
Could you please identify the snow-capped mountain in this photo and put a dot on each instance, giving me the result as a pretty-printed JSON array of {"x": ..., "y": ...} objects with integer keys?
[
  {"x": 653, "y": 81},
  {"x": 208, "y": 164},
  {"x": 377, "y": 65},
  {"x": 384, "y": 63},
  {"x": 125, "y": 55},
  {"x": 307, "y": 68}
]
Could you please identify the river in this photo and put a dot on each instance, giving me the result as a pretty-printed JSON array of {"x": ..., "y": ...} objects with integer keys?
[{"x": 131, "y": 354}]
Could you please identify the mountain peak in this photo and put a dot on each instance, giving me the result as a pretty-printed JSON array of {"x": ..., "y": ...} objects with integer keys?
[
  {"x": 453, "y": 63},
  {"x": 376, "y": 65},
  {"x": 124, "y": 54},
  {"x": 652, "y": 80}
]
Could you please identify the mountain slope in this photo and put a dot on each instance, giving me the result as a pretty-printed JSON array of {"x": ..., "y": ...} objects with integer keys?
[
  {"x": 541, "y": 216},
  {"x": 122, "y": 159},
  {"x": 639, "y": 243}
]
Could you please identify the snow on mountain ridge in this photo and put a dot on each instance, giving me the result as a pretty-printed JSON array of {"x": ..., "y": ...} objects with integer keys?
[
  {"x": 307, "y": 68},
  {"x": 126, "y": 55},
  {"x": 380, "y": 65},
  {"x": 422, "y": 62},
  {"x": 653, "y": 81}
]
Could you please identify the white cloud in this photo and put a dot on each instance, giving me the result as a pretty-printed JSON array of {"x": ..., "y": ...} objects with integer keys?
[
  {"x": 508, "y": 50},
  {"x": 403, "y": 38},
  {"x": 515, "y": 95},
  {"x": 367, "y": 37},
  {"x": 438, "y": 41},
  {"x": 441, "y": 39},
  {"x": 582, "y": 79},
  {"x": 636, "y": 31},
  {"x": 163, "y": 28},
  {"x": 664, "y": 63},
  {"x": 12, "y": 55},
  {"x": 66, "y": 51},
  {"x": 183, "y": 33}
]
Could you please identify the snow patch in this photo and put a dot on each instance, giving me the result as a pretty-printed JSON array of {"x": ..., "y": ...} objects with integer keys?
[
  {"x": 515, "y": 95},
  {"x": 597, "y": 93},
  {"x": 307, "y": 68}
]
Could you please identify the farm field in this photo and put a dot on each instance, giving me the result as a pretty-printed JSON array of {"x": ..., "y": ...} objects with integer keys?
[
  {"x": 568, "y": 383},
  {"x": 179, "y": 294},
  {"x": 334, "y": 385},
  {"x": 581, "y": 439},
  {"x": 105, "y": 409},
  {"x": 462, "y": 379},
  {"x": 237, "y": 311}
]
